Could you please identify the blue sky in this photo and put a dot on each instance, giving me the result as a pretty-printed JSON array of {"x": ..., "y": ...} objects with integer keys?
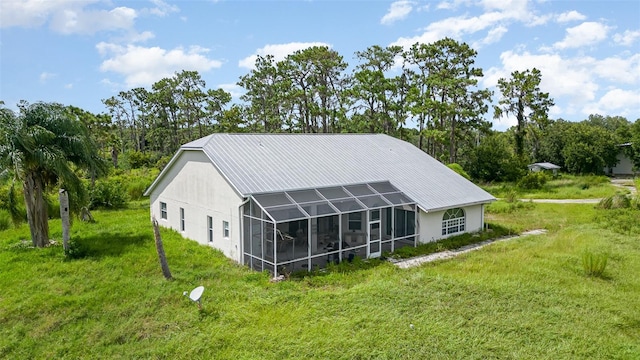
[{"x": 78, "y": 52}]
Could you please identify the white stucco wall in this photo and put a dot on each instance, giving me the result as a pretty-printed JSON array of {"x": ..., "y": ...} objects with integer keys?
[
  {"x": 193, "y": 183},
  {"x": 431, "y": 223}
]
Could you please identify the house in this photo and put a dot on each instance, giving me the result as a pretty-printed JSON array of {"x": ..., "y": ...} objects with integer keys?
[
  {"x": 542, "y": 166},
  {"x": 289, "y": 202},
  {"x": 624, "y": 164}
]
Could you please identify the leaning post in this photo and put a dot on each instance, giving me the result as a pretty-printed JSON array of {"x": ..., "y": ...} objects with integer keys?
[
  {"x": 63, "y": 195},
  {"x": 163, "y": 258}
]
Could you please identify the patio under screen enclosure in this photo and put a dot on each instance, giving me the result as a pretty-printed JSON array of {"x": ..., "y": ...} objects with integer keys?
[{"x": 289, "y": 231}]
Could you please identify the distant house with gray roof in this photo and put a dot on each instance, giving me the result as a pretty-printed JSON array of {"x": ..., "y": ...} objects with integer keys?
[
  {"x": 288, "y": 202},
  {"x": 541, "y": 166}
]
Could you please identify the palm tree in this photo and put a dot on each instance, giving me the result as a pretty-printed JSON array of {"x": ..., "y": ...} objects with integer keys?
[{"x": 43, "y": 146}]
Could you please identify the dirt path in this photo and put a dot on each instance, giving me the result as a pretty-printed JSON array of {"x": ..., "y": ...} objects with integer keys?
[
  {"x": 627, "y": 184},
  {"x": 563, "y": 201},
  {"x": 447, "y": 254}
]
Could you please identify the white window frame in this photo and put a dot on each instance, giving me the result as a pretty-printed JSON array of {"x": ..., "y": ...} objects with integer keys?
[
  {"x": 182, "y": 223},
  {"x": 210, "y": 228},
  {"x": 163, "y": 210},
  {"x": 225, "y": 229},
  {"x": 454, "y": 221}
]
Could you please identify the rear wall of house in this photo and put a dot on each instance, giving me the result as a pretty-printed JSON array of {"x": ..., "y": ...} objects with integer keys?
[
  {"x": 196, "y": 186},
  {"x": 431, "y": 223}
]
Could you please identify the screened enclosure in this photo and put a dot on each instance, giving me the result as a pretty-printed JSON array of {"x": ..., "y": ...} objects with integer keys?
[{"x": 297, "y": 230}]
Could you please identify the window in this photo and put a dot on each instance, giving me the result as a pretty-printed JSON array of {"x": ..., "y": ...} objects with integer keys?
[
  {"x": 163, "y": 210},
  {"x": 225, "y": 229},
  {"x": 181, "y": 219},
  {"x": 210, "y": 228},
  {"x": 355, "y": 221},
  {"x": 453, "y": 221}
]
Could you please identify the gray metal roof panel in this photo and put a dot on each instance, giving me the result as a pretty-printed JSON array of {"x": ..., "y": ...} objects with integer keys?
[{"x": 260, "y": 163}]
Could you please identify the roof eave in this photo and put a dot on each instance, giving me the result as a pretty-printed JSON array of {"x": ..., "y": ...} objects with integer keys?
[{"x": 480, "y": 202}]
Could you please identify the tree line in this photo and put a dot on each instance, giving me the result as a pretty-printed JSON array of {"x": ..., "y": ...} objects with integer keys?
[{"x": 428, "y": 94}]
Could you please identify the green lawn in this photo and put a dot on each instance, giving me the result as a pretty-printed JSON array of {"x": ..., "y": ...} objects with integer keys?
[
  {"x": 525, "y": 298},
  {"x": 564, "y": 187}
]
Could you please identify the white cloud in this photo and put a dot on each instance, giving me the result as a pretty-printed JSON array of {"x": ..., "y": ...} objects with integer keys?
[
  {"x": 75, "y": 16},
  {"x": 234, "y": 89},
  {"x": 616, "y": 102},
  {"x": 570, "y": 16},
  {"x": 398, "y": 10},
  {"x": 279, "y": 52},
  {"x": 587, "y": 33},
  {"x": 142, "y": 66},
  {"x": 68, "y": 86},
  {"x": 72, "y": 21},
  {"x": 627, "y": 38},
  {"x": 494, "y": 22},
  {"x": 577, "y": 82},
  {"x": 618, "y": 69},
  {"x": 45, "y": 76},
  {"x": 494, "y": 35},
  {"x": 65, "y": 16},
  {"x": 162, "y": 9},
  {"x": 33, "y": 13}
]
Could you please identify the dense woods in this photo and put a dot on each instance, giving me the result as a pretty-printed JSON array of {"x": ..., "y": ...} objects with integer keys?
[{"x": 428, "y": 94}]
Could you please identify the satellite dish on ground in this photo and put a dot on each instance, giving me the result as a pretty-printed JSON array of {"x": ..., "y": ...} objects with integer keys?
[{"x": 195, "y": 295}]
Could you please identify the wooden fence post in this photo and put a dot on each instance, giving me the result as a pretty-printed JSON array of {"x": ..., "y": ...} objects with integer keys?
[
  {"x": 64, "y": 216},
  {"x": 160, "y": 249}
]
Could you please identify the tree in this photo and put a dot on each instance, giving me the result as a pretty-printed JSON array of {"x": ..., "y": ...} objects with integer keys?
[
  {"x": 493, "y": 160},
  {"x": 373, "y": 92},
  {"x": 42, "y": 146},
  {"x": 522, "y": 97}
]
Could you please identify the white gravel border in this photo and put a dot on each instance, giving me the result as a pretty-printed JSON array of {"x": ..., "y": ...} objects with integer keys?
[{"x": 447, "y": 254}]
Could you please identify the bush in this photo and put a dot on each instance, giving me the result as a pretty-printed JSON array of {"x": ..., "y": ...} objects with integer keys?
[
  {"x": 588, "y": 181},
  {"x": 75, "y": 250},
  {"x": 594, "y": 263},
  {"x": 533, "y": 180},
  {"x": 162, "y": 162},
  {"x": 5, "y": 220},
  {"x": 108, "y": 194},
  {"x": 617, "y": 201},
  {"x": 53, "y": 205},
  {"x": 137, "y": 159},
  {"x": 459, "y": 170},
  {"x": 135, "y": 189}
]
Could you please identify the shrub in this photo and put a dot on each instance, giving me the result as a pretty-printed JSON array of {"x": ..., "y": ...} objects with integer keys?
[
  {"x": 511, "y": 196},
  {"x": 533, "y": 180},
  {"x": 137, "y": 159},
  {"x": 593, "y": 180},
  {"x": 162, "y": 162},
  {"x": 135, "y": 189},
  {"x": 53, "y": 205},
  {"x": 5, "y": 220},
  {"x": 594, "y": 263},
  {"x": 617, "y": 201},
  {"x": 75, "y": 250},
  {"x": 108, "y": 194},
  {"x": 459, "y": 170}
]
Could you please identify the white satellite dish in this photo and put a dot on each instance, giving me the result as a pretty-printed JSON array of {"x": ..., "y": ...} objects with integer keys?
[{"x": 195, "y": 295}]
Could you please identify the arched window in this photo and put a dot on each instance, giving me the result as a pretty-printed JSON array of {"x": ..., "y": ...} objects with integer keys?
[{"x": 453, "y": 221}]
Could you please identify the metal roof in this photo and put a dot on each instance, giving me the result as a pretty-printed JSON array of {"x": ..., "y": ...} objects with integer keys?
[
  {"x": 545, "y": 165},
  {"x": 315, "y": 202},
  {"x": 264, "y": 163}
]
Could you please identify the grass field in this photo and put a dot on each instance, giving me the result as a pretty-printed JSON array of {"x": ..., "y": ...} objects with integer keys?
[
  {"x": 526, "y": 298},
  {"x": 564, "y": 187}
]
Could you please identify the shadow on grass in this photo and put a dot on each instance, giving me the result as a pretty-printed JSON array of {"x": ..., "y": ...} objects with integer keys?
[{"x": 113, "y": 245}]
